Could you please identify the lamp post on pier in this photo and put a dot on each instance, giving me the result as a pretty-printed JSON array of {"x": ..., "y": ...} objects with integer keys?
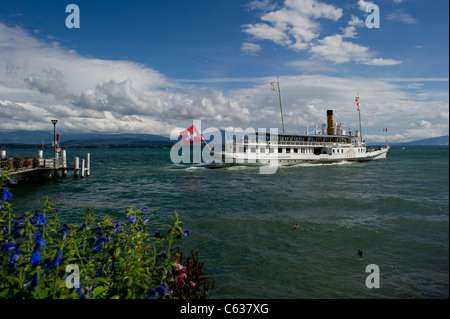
[{"x": 54, "y": 140}]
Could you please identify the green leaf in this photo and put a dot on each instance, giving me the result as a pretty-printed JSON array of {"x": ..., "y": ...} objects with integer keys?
[{"x": 98, "y": 291}]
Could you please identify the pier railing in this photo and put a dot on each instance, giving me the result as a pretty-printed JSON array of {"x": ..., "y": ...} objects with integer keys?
[{"x": 50, "y": 167}]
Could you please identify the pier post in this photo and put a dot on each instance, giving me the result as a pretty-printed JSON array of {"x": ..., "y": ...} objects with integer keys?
[
  {"x": 41, "y": 157},
  {"x": 64, "y": 162},
  {"x": 82, "y": 167},
  {"x": 88, "y": 164},
  {"x": 76, "y": 167},
  {"x": 3, "y": 154}
]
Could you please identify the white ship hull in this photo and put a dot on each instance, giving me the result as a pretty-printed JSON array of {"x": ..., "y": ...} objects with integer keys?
[
  {"x": 284, "y": 149},
  {"x": 233, "y": 158}
]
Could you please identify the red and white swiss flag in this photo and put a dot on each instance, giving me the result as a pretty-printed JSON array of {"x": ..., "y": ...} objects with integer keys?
[{"x": 191, "y": 136}]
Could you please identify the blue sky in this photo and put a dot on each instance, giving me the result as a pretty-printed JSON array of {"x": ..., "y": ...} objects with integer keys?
[{"x": 152, "y": 66}]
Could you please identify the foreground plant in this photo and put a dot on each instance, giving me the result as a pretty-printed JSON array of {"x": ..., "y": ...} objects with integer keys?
[{"x": 40, "y": 258}]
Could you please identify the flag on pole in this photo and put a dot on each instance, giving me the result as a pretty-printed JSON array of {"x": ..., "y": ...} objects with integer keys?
[
  {"x": 357, "y": 103},
  {"x": 191, "y": 136},
  {"x": 274, "y": 86}
]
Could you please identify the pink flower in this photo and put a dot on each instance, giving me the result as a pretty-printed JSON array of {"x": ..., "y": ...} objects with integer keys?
[
  {"x": 179, "y": 267},
  {"x": 183, "y": 276},
  {"x": 192, "y": 284}
]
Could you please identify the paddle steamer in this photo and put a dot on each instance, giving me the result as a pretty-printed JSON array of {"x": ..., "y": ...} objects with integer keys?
[{"x": 332, "y": 144}]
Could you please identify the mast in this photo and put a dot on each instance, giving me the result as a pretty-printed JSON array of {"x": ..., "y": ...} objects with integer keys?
[
  {"x": 385, "y": 130},
  {"x": 359, "y": 115},
  {"x": 276, "y": 87},
  {"x": 360, "y": 131}
]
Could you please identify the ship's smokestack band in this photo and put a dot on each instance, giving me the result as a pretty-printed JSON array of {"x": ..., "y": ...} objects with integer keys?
[{"x": 330, "y": 122}]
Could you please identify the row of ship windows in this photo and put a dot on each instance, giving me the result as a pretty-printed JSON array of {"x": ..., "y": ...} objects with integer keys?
[
  {"x": 280, "y": 150},
  {"x": 288, "y": 150},
  {"x": 336, "y": 150}
]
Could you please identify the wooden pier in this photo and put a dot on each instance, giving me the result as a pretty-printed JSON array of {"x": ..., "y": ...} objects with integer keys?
[{"x": 50, "y": 168}]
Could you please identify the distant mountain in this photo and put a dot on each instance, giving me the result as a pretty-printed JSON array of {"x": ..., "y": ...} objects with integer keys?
[
  {"x": 119, "y": 139},
  {"x": 135, "y": 140},
  {"x": 25, "y": 137},
  {"x": 42, "y": 137},
  {"x": 434, "y": 141}
]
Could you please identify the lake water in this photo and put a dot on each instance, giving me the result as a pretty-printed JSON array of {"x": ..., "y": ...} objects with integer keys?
[{"x": 395, "y": 210}]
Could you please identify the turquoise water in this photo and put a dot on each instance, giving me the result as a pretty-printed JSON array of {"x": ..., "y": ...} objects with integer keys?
[{"x": 394, "y": 210}]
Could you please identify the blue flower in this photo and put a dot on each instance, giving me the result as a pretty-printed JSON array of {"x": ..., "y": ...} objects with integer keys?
[
  {"x": 18, "y": 224},
  {"x": 144, "y": 209},
  {"x": 159, "y": 291},
  {"x": 99, "y": 233},
  {"x": 6, "y": 195},
  {"x": 116, "y": 227},
  {"x": 97, "y": 247},
  {"x": 132, "y": 218},
  {"x": 80, "y": 293},
  {"x": 57, "y": 260},
  {"x": 187, "y": 232},
  {"x": 151, "y": 294},
  {"x": 99, "y": 272},
  {"x": 35, "y": 259},
  {"x": 64, "y": 230},
  {"x": 34, "y": 281},
  {"x": 8, "y": 182},
  {"x": 8, "y": 247},
  {"x": 15, "y": 257},
  {"x": 39, "y": 242},
  {"x": 39, "y": 220}
]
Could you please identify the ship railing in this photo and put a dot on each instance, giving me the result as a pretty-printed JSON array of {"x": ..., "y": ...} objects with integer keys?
[{"x": 285, "y": 143}]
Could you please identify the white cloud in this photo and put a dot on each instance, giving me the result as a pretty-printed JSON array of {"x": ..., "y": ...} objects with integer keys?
[
  {"x": 250, "y": 48},
  {"x": 385, "y": 104},
  {"x": 350, "y": 30},
  {"x": 424, "y": 123},
  {"x": 398, "y": 16},
  {"x": 293, "y": 25},
  {"x": 296, "y": 25},
  {"x": 261, "y": 31},
  {"x": 355, "y": 21},
  {"x": 49, "y": 81},
  {"x": 39, "y": 81},
  {"x": 362, "y": 4},
  {"x": 315, "y": 9},
  {"x": 381, "y": 62},
  {"x": 334, "y": 48}
]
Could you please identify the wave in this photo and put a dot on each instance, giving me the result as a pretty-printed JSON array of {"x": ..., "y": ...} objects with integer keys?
[{"x": 342, "y": 163}]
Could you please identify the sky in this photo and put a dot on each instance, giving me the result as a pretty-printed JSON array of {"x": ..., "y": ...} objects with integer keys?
[{"x": 156, "y": 66}]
